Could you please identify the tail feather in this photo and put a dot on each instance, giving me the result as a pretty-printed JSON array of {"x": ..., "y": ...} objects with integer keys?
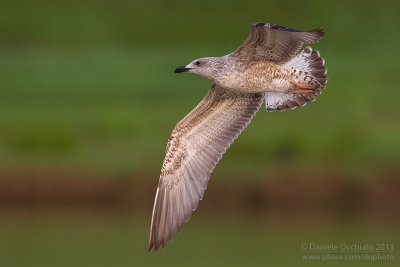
[
  {"x": 308, "y": 66},
  {"x": 307, "y": 73}
]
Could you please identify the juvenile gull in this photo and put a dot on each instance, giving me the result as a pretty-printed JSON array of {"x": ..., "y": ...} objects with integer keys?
[{"x": 264, "y": 66}]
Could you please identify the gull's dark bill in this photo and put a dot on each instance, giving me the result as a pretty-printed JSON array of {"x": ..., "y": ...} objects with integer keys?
[{"x": 181, "y": 69}]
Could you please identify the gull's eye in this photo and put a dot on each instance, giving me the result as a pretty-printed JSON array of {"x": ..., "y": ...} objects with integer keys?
[{"x": 197, "y": 63}]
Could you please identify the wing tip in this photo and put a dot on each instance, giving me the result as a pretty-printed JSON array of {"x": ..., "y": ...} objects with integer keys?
[
  {"x": 275, "y": 26},
  {"x": 258, "y": 24},
  {"x": 318, "y": 31},
  {"x": 156, "y": 244},
  {"x": 151, "y": 246}
]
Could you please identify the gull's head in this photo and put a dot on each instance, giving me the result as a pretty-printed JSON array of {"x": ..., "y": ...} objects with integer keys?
[{"x": 207, "y": 67}]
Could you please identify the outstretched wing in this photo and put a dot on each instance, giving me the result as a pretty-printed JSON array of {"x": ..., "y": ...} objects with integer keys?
[
  {"x": 275, "y": 43},
  {"x": 194, "y": 148}
]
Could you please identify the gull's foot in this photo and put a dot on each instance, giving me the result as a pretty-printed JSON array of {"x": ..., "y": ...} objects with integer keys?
[
  {"x": 302, "y": 88},
  {"x": 302, "y": 91}
]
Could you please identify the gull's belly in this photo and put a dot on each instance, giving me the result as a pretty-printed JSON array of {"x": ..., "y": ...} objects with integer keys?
[{"x": 261, "y": 77}]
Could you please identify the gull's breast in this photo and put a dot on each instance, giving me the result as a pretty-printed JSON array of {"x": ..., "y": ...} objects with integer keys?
[{"x": 256, "y": 77}]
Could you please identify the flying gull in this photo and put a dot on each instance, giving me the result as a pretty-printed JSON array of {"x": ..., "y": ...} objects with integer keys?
[{"x": 264, "y": 66}]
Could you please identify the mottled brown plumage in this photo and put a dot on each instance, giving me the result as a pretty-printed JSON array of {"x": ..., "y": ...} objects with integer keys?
[
  {"x": 265, "y": 66},
  {"x": 275, "y": 43},
  {"x": 194, "y": 148}
]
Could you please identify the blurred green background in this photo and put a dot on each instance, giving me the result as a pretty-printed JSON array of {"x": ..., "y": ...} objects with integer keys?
[{"x": 88, "y": 99}]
